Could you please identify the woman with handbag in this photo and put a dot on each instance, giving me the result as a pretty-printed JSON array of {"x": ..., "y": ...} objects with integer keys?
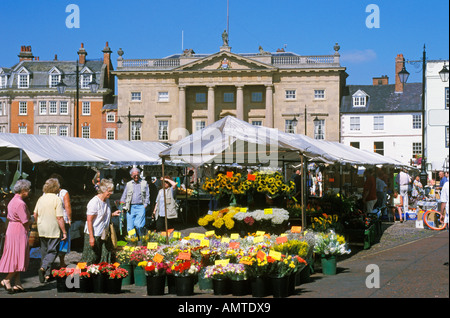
[
  {"x": 15, "y": 258},
  {"x": 159, "y": 212},
  {"x": 97, "y": 241}
]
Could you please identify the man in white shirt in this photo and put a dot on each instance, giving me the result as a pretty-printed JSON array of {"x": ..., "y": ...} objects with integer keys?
[
  {"x": 444, "y": 204},
  {"x": 403, "y": 182}
]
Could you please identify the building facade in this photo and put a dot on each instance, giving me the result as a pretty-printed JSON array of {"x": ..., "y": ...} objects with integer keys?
[
  {"x": 179, "y": 94},
  {"x": 384, "y": 118},
  {"x": 436, "y": 118},
  {"x": 30, "y": 102}
]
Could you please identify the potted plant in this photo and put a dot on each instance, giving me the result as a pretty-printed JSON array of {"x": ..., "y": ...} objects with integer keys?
[
  {"x": 156, "y": 278},
  {"x": 238, "y": 278},
  {"x": 185, "y": 273},
  {"x": 99, "y": 272},
  {"x": 328, "y": 246},
  {"x": 85, "y": 282},
  {"x": 114, "y": 281},
  {"x": 123, "y": 257},
  {"x": 138, "y": 255},
  {"x": 218, "y": 275},
  {"x": 257, "y": 268},
  {"x": 61, "y": 276},
  {"x": 279, "y": 272}
]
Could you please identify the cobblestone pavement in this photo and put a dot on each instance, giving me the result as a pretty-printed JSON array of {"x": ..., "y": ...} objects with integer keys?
[{"x": 396, "y": 253}]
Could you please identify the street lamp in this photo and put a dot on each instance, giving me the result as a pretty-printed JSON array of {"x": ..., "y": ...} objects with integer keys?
[
  {"x": 403, "y": 75},
  {"x": 93, "y": 86},
  {"x": 137, "y": 124}
]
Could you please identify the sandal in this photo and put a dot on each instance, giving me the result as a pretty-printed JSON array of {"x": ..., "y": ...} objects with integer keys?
[
  {"x": 18, "y": 289},
  {"x": 5, "y": 284}
]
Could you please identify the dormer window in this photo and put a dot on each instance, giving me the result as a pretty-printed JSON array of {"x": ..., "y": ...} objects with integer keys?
[
  {"x": 3, "y": 80},
  {"x": 54, "y": 77},
  {"x": 23, "y": 80},
  {"x": 86, "y": 78},
  {"x": 360, "y": 99}
]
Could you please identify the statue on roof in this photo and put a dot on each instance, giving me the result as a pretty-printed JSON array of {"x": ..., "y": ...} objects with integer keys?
[{"x": 225, "y": 38}]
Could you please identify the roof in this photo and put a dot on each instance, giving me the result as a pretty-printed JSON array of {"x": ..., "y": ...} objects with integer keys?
[{"x": 384, "y": 99}]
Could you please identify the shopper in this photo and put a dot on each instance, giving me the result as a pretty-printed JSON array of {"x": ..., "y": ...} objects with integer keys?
[
  {"x": 97, "y": 244},
  {"x": 15, "y": 258},
  {"x": 444, "y": 204},
  {"x": 160, "y": 211},
  {"x": 403, "y": 181},
  {"x": 49, "y": 216},
  {"x": 369, "y": 192},
  {"x": 136, "y": 196},
  {"x": 397, "y": 205}
]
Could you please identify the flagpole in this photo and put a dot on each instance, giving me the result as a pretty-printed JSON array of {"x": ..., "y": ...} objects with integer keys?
[{"x": 228, "y": 18}]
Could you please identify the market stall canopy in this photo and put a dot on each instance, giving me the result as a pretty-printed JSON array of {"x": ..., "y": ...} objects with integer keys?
[
  {"x": 231, "y": 140},
  {"x": 70, "y": 151}
]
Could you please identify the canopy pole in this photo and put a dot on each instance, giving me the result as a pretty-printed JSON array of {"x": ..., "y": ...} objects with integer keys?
[
  {"x": 303, "y": 192},
  {"x": 163, "y": 183}
]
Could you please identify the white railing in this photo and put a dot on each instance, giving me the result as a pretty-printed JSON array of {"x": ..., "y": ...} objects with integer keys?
[{"x": 149, "y": 63}]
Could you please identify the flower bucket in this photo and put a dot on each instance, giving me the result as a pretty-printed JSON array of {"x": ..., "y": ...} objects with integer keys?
[
  {"x": 129, "y": 280},
  {"x": 140, "y": 278},
  {"x": 260, "y": 286},
  {"x": 221, "y": 286},
  {"x": 280, "y": 286},
  {"x": 305, "y": 275},
  {"x": 61, "y": 286},
  {"x": 85, "y": 285},
  {"x": 328, "y": 264},
  {"x": 114, "y": 286},
  {"x": 99, "y": 283},
  {"x": 184, "y": 285},
  {"x": 292, "y": 282},
  {"x": 156, "y": 285},
  {"x": 240, "y": 287},
  {"x": 171, "y": 286}
]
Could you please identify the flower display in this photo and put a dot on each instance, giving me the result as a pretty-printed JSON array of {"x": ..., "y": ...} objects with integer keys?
[
  {"x": 330, "y": 243},
  {"x": 185, "y": 268},
  {"x": 235, "y": 271},
  {"x": 117, "y": 273},
  {"x": 138, "y": 254},
  {"x": 324, "y": 222},
  {"x": 155, "y": 269},
  {"x": 62, "y": 272},
  {"x": 215, "y": 272},
  {"x": 284, "y": 266}
]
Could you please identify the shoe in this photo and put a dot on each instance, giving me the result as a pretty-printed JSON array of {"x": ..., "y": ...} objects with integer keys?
[
  {"x": 41, "y": 273},
  {"x": 18, "y": 289},
  {"x": 5, "y": 284}
]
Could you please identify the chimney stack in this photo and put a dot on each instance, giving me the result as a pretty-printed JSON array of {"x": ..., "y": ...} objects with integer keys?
[
  {"x": 107, "y": 61},
  {"x": 82, "y": 55},
  {"x": 25, "y": 53},
  {"x": 399, "y": 63},
  {"x": 382, "y": 80}
]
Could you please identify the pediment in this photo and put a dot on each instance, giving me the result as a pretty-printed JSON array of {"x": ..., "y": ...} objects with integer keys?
[{"x": 224, "y": 61}]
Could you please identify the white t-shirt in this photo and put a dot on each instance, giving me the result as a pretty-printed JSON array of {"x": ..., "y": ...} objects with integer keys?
[
  {"x": 444, "y": 198},
  {"x": 102, "y": 210},
  {"x": 61, "y": 195}
]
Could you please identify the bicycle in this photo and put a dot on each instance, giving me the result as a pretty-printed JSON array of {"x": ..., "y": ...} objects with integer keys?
[{"x": 432, "y": 219}]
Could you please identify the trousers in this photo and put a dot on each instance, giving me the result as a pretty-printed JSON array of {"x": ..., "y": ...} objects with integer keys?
[
  {"x": 136, "y": 218},
  {"x": 404, "y": 194},
  {"x": 49, "y": 251}
]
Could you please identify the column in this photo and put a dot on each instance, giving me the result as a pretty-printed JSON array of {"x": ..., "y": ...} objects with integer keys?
[
  {"x": 240, "y": 102},
  {"x": 269, "y": 106},
  {"x": 211, "y": 105},
  {"x": 182, "y": 107}
]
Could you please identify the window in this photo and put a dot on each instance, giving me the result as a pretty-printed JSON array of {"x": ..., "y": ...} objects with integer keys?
[
  {"x": 319, "y": 129},
  {"x": 228, "y": 97},
  {"x": 3, "y": 81},
  {"x": 85, "y": 132},
  {"x": 359, "y": 101},
  {"x": 23, "y": 79},
  {"x": 200, "y": 124},
  {"x": 200, "y": 97},
  {"x": 163, "y": 130},
  {"x": 257, "y": 97},
  {"x": 257, "y": 122},
  {"x": 417, "y": 121},
  {"x": 378, "y": 122},
  {"x": 42, "y": 108},
  {"x": 42, "y": 130},
  {"x": 85, "y": 80},
  {"x": 136, "y": 96},
  {"x": 416, "y": 148},
  {"x": 63, "y": 108},
  {"x": 63, "y": 131},
  {"x": 52, "y": 108},
  {"x": 446, "y": 136},
  {"x": 355, "y": 123},
  {"x": 290, "y": 94},
  {"x": 110, "y": 134},
  {"x": 355, "y": 144},
  {"x": 110, "y": 117},
  {"x": 378, "y": 147},
  {"x": 135, "y": 131},
  {"x": 319, "y": 94},
  {"x": 86, "y": 108},
  {"x": 22, "y": 129},
  {"x": 446, "y": 98},
  {"x": 22, "y": 108},
  {"x": 289, "y": 126},
  {"x": 54, "y": 80},
  {"x": 1, "y": 109},
  {"x": 53, "y": 130},
  {"x": 163, "y": 96}
]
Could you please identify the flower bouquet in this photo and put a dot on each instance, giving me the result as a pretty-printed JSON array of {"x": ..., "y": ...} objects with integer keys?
[
  {"x": 62, "y": 272},
  {"x": 330, "y": 244},
  {"x": 156, "y": 278},
  {"x": 115, "y": 276},
  {"x": 155, "y": 269},
  {"x": 117, "y": 273},
  {"x": 183, "y": 268},
  {"x": 238, "y": 277},
  {"x": 61, "y": 278},
  {"x": 282, "y": 267}
]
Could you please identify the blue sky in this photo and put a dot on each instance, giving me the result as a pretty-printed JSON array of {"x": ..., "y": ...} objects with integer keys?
[{"x": 154, "y": 28}]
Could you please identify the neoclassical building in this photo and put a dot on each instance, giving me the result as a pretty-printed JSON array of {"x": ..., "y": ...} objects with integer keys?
[{"x": 156, "y": 97}]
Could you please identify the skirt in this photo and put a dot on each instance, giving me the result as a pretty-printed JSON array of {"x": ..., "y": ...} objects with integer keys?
[
  {"x": 101, "y": 252},
  {"x": 16, "y": 252}
]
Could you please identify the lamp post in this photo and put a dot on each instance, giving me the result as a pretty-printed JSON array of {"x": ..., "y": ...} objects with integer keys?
[
  {"x": 138, "y": 123},
  {"x": 93, "y": 86},
  {"x": 403, "y": 75}
]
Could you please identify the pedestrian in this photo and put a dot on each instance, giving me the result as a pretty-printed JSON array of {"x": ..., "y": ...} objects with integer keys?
[
  {"x": 298, "y": 184},
  {"x": 381, "y": 190},
  {"x": 369, "y": 191},
  {"x": 403, "y": 180},
  {"x": 320, "y": 182},
  {"x": 417, "y": 187},
  {"x": 63, "y": 194},
  {"x": 16, "y": 253},
  {"x": 397, "y": 205},
  {"x": 444, "y": 204},
  {"x": 160, "y": 212},
  {"x": 136, "y": 197},
  {"x": 97, "y": 243},
  {"x": 49, "y": 217}
]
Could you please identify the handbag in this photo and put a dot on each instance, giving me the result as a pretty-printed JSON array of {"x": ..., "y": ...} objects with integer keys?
[
  {"x": 33, "y": 239},
  {"x": 113, "y": 235}
]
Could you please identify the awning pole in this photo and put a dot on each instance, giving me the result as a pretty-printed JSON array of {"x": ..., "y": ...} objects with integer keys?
[
  {"x": 163, "y": 183},
  {"x": 303, "y": 191}
]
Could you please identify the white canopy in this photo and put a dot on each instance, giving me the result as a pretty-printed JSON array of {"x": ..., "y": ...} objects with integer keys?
[
  {"x": 231, "y": 140},
  {"x": 70, "y": 151}
]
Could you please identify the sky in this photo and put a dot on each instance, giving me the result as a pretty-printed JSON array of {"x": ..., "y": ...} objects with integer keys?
[{"x": 370, "y": 33}]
